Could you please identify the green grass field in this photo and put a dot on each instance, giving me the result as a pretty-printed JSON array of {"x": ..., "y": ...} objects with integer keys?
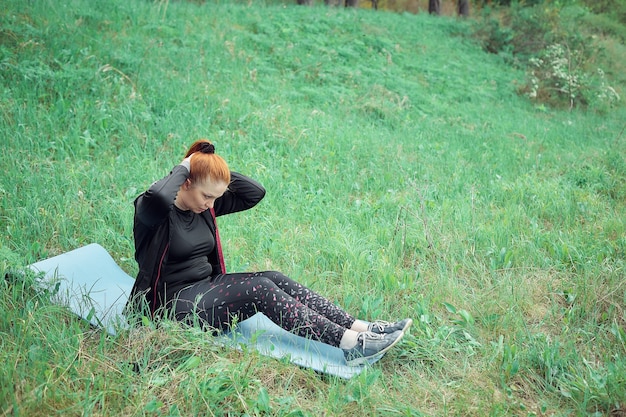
[{"x": 405, "y": 177}]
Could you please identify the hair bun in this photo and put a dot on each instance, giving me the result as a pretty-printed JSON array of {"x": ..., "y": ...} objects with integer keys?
[{"x": 207, "y": 147}]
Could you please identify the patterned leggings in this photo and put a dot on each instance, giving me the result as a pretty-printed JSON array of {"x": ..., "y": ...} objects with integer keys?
[{"x": 290, "y": 305}]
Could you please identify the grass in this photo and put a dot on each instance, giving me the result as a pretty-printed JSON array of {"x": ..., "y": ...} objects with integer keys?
[{"x": 405, "y": 176}]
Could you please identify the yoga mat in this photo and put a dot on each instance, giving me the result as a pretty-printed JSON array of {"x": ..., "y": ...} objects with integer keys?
[{"x": 95, "y": 288}]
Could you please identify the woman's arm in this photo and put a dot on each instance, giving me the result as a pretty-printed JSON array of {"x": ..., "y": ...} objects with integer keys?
[
  {"x": 243, "y": 193},
  {"x": 153, "y": 206}
]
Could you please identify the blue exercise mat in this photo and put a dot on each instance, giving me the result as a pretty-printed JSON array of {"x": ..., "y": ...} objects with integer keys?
[{"x": 95, "y": 288}]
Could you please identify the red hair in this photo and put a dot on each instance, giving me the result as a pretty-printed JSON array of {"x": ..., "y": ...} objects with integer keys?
[{"x": 206, "y": 164}]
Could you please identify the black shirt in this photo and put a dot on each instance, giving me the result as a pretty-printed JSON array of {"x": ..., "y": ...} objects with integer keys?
[{"x": 191, "y": 242}]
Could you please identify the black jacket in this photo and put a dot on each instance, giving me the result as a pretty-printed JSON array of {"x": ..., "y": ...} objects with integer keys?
[{"x": 151, "y": 230}]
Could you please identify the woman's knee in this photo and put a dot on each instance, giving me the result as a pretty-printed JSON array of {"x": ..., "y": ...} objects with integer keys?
[
  {"x": 263, "y": 282},
  {"x": 274, "y": 276}
]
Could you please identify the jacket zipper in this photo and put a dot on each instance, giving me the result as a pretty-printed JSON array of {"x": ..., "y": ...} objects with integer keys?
[{"x": 156, "y": 281}]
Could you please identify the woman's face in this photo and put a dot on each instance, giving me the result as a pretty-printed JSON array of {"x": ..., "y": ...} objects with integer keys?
[{"x": 200, "y": 196}]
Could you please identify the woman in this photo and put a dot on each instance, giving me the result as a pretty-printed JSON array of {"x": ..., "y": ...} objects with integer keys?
[{"x": 182, "y": 272}]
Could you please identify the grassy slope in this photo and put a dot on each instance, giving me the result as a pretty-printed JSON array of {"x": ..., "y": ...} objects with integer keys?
[{"x": 405, "y": 178}]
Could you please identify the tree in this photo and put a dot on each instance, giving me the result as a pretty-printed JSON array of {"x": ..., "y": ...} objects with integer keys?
[
  {"x": 346, "y": 3},
  {"x": 434, "y": 7},
  {"x": 463, "y": 8}
]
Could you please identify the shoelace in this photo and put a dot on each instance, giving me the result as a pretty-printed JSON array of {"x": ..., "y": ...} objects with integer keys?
[
  {"x": 381, "y": 324},
  {"x": 370, "y": 336}
]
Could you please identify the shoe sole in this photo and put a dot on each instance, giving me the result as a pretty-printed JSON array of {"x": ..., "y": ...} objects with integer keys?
[
  {"x": 407, "y": 325},
  {"x": 362, "y": 359}
]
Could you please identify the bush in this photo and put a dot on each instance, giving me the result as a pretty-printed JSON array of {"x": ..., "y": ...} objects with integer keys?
[
  {"x": 606, "y": 25},
  {"x": 493, "y": 35},
  {"x": 558, "y": 77},
  {"x": 560, "y": 59},
  {"x": 615, "y": 9}
]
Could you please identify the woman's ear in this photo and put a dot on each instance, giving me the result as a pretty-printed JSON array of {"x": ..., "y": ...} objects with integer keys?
[{"x": 187, "y": 184}]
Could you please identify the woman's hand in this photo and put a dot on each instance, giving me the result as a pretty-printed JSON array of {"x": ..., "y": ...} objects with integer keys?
[{"x": 187, "y": 161}]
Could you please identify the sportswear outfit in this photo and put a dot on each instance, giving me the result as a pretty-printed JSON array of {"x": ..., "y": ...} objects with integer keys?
[{"x": 182, "y": 272}]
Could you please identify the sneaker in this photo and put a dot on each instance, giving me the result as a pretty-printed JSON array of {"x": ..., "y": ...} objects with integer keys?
[
  {"x": 385, "y": 327},
  {"x": 370, "y": 345}
]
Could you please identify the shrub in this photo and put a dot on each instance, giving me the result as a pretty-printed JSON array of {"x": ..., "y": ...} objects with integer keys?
[
  {"x": 493, "y": 36},
  {"x": 560, "y": 59},
  {"x": 558, "y": 77}
]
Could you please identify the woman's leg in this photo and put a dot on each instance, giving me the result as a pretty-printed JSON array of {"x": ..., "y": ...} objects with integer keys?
[
  {"x": 329, "y": 310},
  {"x": 304, "y": 295},
  {"x": 243, "y": 295}
]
